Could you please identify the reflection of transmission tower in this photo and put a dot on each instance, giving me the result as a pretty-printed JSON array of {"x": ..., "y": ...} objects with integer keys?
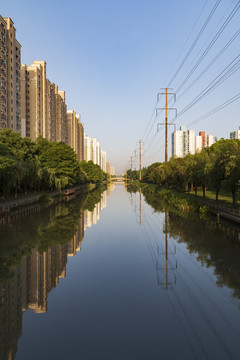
[
  {"x": 141, "y": 212},
  {"x": 164, "y": 277}
]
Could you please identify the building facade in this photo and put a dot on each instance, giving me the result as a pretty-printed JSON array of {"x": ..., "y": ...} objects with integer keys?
[
  {"x": 235, "y": 134},
  {"x": 10, "y": 67},
  {"x": 185, "y": 142}
]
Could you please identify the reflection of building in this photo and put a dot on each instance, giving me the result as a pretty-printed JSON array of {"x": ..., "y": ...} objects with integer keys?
[
  {"x": 10, "y": 315},
  {"x": 41, "y": 271},
  {"x": 33, "y": 279},
  {"x": 92, "y": 217}
]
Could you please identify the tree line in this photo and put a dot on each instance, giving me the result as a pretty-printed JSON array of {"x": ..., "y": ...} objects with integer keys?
[
  {"x": 41, "y": 165},
  {"x": 216, "y": 168}
]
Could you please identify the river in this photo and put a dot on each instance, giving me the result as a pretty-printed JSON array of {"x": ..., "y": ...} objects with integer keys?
[{"x": 121, "y": 279}]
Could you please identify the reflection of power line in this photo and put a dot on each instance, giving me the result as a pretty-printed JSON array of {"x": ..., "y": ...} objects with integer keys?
[
  {"x": 213, "y": 303},
  {"x": 208, "y": 320}
]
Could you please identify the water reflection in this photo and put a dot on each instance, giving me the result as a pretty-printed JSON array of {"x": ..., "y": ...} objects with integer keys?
[
  {"x": 215, "y": 244},
  {"x": 40, "y": 245},
  {"x": 198, "y": 279}
]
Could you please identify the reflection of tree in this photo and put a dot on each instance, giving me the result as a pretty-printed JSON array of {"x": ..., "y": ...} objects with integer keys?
[
  {"x": 93, "y": 198},
  {"x": 216, "y": 245},
  {"x": 131, "y": 188},
  {"x": 37, "y": 248},
  {"x": 51, "y": 226}
]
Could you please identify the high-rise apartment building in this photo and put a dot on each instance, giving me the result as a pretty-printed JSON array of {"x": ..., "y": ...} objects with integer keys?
[
  {"x": 203, "y": 136},
  {"x": 199, "y": 143},
  {"x": 177, "y": 143},
  {"x": 87, "y": 148},
  {"x": 32, "y": 100},
  {"x": 75, "y": 134},
  {"x": 235, "y": 134},
  {"x": 10, "y": 64},
  {"x": 43, "y": 111},
  {"x": 108, "y": 167},
  {"x": 183, "y": 142},
  {"x": 104, "y": 161},
  {"x": 50, "y": 124},
  {"x": 209, "y": 140},
  {"x": 112, "y": 170},
  {"x": 61, "y": 116},
  {"x": 93, "y": 151}
]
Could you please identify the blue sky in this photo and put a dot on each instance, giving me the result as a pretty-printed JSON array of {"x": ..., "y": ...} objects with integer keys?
[{"x": 113, "y": 57}]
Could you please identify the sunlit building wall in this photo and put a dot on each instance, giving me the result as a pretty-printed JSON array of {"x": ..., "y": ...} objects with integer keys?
[
  {"x": 10, "y": 58},
  {"x": 32, "y": 109},
  {"x": 209, "y": 140},
  {"x": 177, "y": 143},
  {"x": 235, "y": 134},
  {"x": 198, "y": 143},
  {"x": 104, "y": 161},
  {"x": 87, "y": 148},
  {"x": 112, "y": 171}
]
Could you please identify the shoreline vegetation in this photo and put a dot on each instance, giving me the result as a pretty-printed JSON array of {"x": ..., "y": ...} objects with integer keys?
[
  {"x": 206, "y": 181},
  {"x": 32, "y": 168}
]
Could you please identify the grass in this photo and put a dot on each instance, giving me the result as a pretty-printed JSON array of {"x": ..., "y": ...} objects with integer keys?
[{"x": 223, "y": 198}]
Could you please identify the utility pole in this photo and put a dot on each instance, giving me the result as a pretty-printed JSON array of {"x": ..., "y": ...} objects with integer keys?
[
  {"x": 131, "y": 162},
  {"x": 166, "y": 117},
  {"x": 135, "y": 160}
]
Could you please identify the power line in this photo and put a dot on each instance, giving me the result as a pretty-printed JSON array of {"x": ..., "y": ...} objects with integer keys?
[
  {"x": 211, "y": 63},
  {"x": 196, "y": 40},
  {"x": 210, "y": 45},
  {"x": 219, "y": 79},
  {"x": 218, "y": 108}
]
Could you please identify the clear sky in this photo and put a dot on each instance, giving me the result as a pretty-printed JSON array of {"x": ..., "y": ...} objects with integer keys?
[{"x": 112, "y": 57}]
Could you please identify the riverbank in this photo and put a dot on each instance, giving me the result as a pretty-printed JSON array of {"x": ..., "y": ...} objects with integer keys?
[
  {"x": 6, "y": 206},
  {"x": 184, "y": 202}
]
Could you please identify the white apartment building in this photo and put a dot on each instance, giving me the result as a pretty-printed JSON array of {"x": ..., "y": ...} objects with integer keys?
[
  {"x": 209, "y": 140},
  {"x": 87, "y": 148},
  {"x": 177, "y": 143},
  {"x": 198, "y": 143},
  {"x": 93, "y": 151},
  {"x": 235, "y": 134},
  {"x": 183, "y": 142},
  {"x": 112, "y": 170},
  {"x": 189, "y": 142},
  {"x": 104, "y": 161}
]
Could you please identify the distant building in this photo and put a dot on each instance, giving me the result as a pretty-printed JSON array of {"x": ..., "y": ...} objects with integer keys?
[
  {"x": 112, "y": 171},
  {"x": 93, "y": 151},
  {"x": 177, "y": 143},
  {"x": 75, "y": 137},
  {"x": 199, "y": 143},
  {"x": 108, "y": 167},
  {"x": 183, "y": 142},
  {"x": 235, "y": 134},
  {"x": 203, "y": 137},
  {"x": 209, "y": 141}
]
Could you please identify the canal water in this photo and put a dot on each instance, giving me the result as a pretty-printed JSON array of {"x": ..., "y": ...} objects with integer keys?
[{"x": 118, "y": 276}]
